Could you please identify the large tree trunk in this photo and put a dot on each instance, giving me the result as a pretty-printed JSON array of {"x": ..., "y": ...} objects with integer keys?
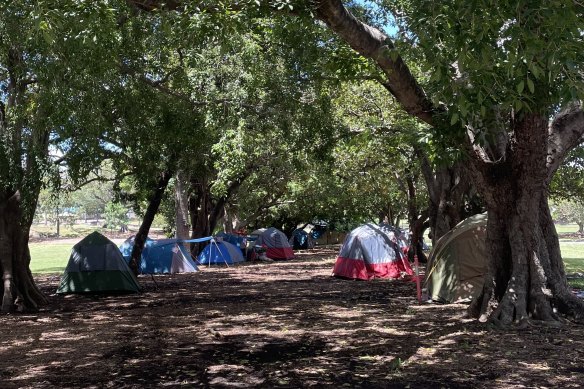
[
  {"x": 418, "y": 225},
  {"x": 525, "y": 279},
  {"x": 229, "y": 220},
  {"x": 447, "y": 188},
  {"x": 446, "y": 201},
  {"x": 199, "y": 209},
  {"x": 417, "y": 221},
  {"x": 205, "y": 214},
  {"x": 19, "y": 290},
  {"x": 182, "y": 208},
  {"x": 153, "y": 205}
]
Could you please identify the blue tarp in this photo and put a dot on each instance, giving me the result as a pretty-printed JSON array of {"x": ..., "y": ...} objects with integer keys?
[
  {"x": 236, "y": 240},
  {"x": 198, "y": 240}
]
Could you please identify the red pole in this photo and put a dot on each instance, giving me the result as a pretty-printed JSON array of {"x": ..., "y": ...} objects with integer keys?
[{"x": 418, "y": 286}]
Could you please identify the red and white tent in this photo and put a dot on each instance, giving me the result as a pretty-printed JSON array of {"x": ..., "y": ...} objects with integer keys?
[{"x": 372, "y": 251}]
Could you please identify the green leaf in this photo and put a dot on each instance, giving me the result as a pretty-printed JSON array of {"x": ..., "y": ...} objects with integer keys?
[
  {"x": 454, "y": 119},
  {"x": 520, "y": 87},
  {"x": 530, "y": 85}
]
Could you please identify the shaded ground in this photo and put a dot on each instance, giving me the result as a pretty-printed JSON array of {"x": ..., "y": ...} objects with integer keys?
[{"x": 284, "y": 324}]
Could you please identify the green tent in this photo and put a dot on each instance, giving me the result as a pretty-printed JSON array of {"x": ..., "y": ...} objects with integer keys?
[
  {"x": 457, "y": 264},
  {"x": 96, "y": 265}
]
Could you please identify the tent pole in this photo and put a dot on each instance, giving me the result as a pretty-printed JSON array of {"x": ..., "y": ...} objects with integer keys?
[
  {"x": 155, "y": 283},
  {"x": 220, "y": 253}
]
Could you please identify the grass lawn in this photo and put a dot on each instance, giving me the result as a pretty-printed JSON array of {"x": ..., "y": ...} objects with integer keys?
[
  {"x": 573, "y": 254},
  {"x": 566, "y": 228},
  {"x": 49, "y": 257}
]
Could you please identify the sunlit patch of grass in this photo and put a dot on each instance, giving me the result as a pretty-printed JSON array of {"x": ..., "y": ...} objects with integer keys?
[
  {"x": 49, "y": 257},
  {"x": 577, "y": 283},
  {"x": 566, "y": 228},
  {"x": 573, "y": 255}
]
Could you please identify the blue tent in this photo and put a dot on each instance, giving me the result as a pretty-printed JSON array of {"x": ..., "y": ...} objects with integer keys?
[
  {"x": 301, "y": 240},
  {"x": 236, "y": 240},
  {"x": 161, "y": 256},
  {"x": 217, "y": 253}
]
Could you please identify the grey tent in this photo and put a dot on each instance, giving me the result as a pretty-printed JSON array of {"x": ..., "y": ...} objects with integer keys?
[
  {"x": 274, "y": 241},
  {"x": 457, "y": 263},
  {"x": 96, "y": 265}
]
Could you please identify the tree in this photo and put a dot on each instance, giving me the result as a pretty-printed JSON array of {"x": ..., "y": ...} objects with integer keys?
[
  {"x": 116, "y": 215},
  {"x": 93, "y": 197},
  {"x": 494, "y": 86},
  {"x": 507, "y": 90},
  {"x": 46, "y": 69},
  {"x": 571, "y": 211}
]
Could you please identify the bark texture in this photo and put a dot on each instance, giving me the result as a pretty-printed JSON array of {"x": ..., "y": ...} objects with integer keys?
[
  {"x": 182, "y": 208},
  {"x": 526, "y": 281},
  {"x": 199, "y": 209},
  {"x": 448, "y": 188},
  {"x": 153, "y": 205},
  {"x": 19, "y": 290},
  {"x": 23, "y": 155},
  {"x": 206, "y": 211}
]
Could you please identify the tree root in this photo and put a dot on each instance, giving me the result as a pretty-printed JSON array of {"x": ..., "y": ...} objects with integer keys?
[
  {"x": 525, "y": 324},
  {"x": 570, "y": 306}
]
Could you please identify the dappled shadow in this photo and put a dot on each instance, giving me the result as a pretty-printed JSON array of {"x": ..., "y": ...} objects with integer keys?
[{"x": 283, "y": 324}]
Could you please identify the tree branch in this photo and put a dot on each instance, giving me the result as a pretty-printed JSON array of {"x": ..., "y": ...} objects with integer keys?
[
  {"x": 366, "y": 40},
  {"x": 159, "y": 85},
  {"x": 118, "y": 177},
  {"x": 427, "y": 171},
  {"x": 373, "y": 44},
  {"x": 565, "y": 132}
]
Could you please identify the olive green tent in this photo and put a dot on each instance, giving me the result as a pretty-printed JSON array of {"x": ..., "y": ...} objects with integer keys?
[
  {"x": 96, "y": 265},
  {"x": 457, "y": 264}
]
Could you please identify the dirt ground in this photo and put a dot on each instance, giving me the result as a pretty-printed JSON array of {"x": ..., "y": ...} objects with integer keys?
[{"x": 275, "y": 325}]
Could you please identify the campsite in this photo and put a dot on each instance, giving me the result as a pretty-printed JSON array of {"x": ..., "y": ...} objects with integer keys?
[
  {"x": 291, "y": 193},
  {"x": 286, "y": 324}
]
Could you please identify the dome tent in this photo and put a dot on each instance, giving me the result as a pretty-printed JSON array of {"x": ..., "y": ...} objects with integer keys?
[
  {"x": 457, "y": 263},
  {"x": 301, "y": 240},
  {"x": 218, "y": 252},
  {"x": 372, "y": 251},
  {"x": 161, "y": 256},
  {"x": 274, "y": 241},
  {"x": 96, "y": 265}
]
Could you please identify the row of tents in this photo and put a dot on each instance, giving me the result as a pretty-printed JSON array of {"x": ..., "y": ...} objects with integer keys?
[
  {"x": 455, "y": 270},
  {"x": 96, "y": 264},
  {"x": 456, "y": 265}
]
